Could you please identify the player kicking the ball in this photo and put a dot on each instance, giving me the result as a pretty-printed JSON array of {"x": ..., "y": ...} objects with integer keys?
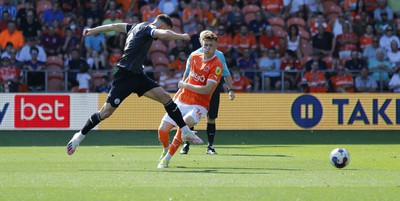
[{"x": 193, "y": 97}]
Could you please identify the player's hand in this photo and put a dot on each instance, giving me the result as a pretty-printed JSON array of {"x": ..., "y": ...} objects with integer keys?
[
  {"x": 181, "y": 84},
  {"x": 87, "y": 32},
  {"x": 231, "y": 95},
  {"x": 186, "y": 36}
]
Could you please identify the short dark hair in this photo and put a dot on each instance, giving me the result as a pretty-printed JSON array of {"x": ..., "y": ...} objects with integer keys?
[{"x": 165, "y": 19}]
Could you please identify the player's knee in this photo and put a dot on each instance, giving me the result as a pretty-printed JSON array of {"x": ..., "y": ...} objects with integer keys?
[{"x": 189, "y": 121}]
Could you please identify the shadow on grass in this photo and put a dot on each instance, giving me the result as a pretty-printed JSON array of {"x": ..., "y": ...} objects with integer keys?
[{"x": 146, "y": 138}]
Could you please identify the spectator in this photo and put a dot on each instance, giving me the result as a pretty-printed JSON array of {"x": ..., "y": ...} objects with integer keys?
[
  {"x": 380, "y": 67},
  {"x": 370, "y": 50},
  {"x": 180, "y": 47},
  {"x": 110, "y": 35},
  {"x": 104, "y": 86},
  {"x": 24, "y": 54},
  {"x": 11, "y": 34},
  {"x": 169, "y": 80},
  {"x": 244, "y": 41},
  {"x": 346, "y": 42},
  {"x": 248, "y": 65},
  {"x": 395, "y": 6},
  {"x": 70, "y": 6},
  {"x": 150, "y": 12},
  {"x": 191, "y": 16},
  {"x": 70, "y": 42},
  {"x": 9, "y": 75},
  {"x": 94, "y": 12},
  {"x": 195, "y": 38},
  {"x": 366, "y": 38},
  {"x": 394, "y": 83},
  {"x": 384, "y": 23},
  {"x": 386, "y": 39},
  {"x": 313, "y": 6},
  {"x": 179, "y": 63},
  {"x": 96, "y": 43},
  {"x": 394, "y": 54},
  {"x": 36, "y": 78},
  {"x": 323, "y": 41},
  {"x": 240, "y": 82},
  {"x": 3, "y": 23},
  {"x": 382, "y": 7},
  {"x": 356, "y": 63},
  {"x": 51, "y": 14},
  {"x": 291, "y": 63},
  {"x": 51, "y": 41},
  {"x": 13, "y": 60},
  {"x": 112, "y": 6},
  {"x": 116, "y": 54},
  {"x": 169, "y": 7},
  {"x": 30, "y": 26},
  {"x": 270, "y": 66},
  {"x": 96, "y": 61},
  {"x": 83, "y": 79},
  {"x": 257, "y": 25},
  {"x": 272, "y": 8},
  {"x": 73, "y": 65},
  {"x": 292, "y": 40},
  {"x": 342, "y": 82},
  {"x": 320, "y": 21},
  {"x": 236, "y": 23},
  {"x": 216, "y": 12},
  {"x": 8, "y": 49},
  {"x": 359, "y": 27},
  {"x": 23, "y": 12},
  {"x": 355, "y": 14},
  {"x": 269, "y": 40},
  {"x": 294, "y": 8},
  {"x": 364, "y": 82},
  {"x": 337, "y": 25},
  {"x": 313, "y": 81},
  {"x": 225, "y": 41},
  {"x": 316, "y": 58},
  {"x": 10, "y": 8}
]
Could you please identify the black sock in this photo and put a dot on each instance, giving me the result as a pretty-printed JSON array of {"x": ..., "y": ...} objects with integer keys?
[
  {"x": 210, "y": 133},
  {"x": 175, "y": 114},
  {"x": 91, "y": 123}
]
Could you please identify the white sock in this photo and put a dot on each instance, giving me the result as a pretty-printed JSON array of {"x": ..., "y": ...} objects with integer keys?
[
  {"x": 185, "y": 129},
  {"x": 168, "y": 157},
  {"x": 165, "y": 149},
  {"x": 79, "y": 136}
]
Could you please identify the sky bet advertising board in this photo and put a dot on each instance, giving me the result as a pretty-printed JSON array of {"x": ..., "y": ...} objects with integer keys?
[{"x": 248, "y": 111}]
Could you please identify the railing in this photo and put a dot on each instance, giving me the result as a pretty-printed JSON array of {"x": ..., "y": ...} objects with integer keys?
[{"x": 258, "y": 73}]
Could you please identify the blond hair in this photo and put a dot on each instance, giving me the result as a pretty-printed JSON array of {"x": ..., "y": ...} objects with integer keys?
[{"x": 208, "y": 35}]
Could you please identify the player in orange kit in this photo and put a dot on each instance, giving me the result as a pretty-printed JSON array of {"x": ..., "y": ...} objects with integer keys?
[{"x": 193, "y": 98}]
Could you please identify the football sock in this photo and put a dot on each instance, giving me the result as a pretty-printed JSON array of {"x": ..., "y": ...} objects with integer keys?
[
  {"x": 175, "y": 114},
  {"x": 210, "y": 133},
  {"x": 175, "y": 143},
  {"x": 163, "y": 136},
  {"x": 91, "y": 123}
]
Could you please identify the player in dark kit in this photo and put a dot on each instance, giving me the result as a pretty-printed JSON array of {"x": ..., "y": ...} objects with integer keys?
[
  {"x": 214, "y": 102},
  {"x": 129, "y": 77}
]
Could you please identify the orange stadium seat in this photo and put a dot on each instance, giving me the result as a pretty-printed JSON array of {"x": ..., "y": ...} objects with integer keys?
[
  {"x": 55, "y": 84},
  {"x": 158, "y": 46},
  {"x": 276, "y": 21},
  {"x": 329, "y": 61},
  {"x": 55, "y": 60},
  {"x": 305, "y": 59},
  {"x": 176, "y": 22},
  {"x": 297, "y": 21},
  {"x": 171, "y": 44},
  {"x": 279, "y": 31},
  {"x": 159, "y": 58},
  {"x": 306, "y": 49},
  {"x": 304, "y": 34},
  {"x": 249, "y": 17},
  {"x": 43, "y": 5},
  {"x": 250, "y": 8}
]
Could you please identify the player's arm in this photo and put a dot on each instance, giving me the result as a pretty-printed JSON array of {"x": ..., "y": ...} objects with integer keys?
[
  {"x": 169, "y": 35},
  {"x": 228, "y": 82},
  {"x": 207, "y": 89},
  {"x": 119, "y": 27}
]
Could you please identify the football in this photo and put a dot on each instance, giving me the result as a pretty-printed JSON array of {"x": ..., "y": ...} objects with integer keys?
[{"x": 340, "y": 157}]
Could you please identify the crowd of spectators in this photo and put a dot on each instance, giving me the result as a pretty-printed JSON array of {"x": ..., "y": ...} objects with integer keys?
[{"x": 292, "y": 45}]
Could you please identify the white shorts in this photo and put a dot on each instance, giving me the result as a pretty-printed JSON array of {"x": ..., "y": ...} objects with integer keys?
[{"x": 197, "y": 112}]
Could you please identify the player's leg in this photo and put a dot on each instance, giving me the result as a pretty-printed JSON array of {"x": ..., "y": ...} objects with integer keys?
[
  {"x": 186, "y": 145},
  {"x": 159, "y": 94},
  {"x": 121, "y": 88},
  {"x": 163, "y": 136},
  {"x": 211, "y": 117}
]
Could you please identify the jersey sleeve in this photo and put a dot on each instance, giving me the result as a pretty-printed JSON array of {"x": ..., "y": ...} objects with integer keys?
[
  {"x": 216, "y": 74},
  {"x": 187, "y": 70},
  {"x": 221, "y": 57}
]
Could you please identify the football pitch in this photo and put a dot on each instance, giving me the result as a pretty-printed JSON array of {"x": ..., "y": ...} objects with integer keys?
[{"x": 250, "y": 165}]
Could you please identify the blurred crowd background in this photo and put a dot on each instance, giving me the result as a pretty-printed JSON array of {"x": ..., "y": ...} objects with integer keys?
[{"x": 314, "y": 46}]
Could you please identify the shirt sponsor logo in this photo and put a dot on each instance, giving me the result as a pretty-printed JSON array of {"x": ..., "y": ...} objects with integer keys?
[
  {"x": 42, "y": 111},
  {"x": 197, "y": 77}
]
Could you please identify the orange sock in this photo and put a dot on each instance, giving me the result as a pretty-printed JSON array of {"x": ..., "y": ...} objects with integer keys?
[
  {"x": 175, "y": 143},
  {"x": 163, "y": 136}
]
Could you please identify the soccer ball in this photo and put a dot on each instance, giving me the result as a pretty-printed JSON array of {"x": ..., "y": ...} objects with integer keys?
[{"x": 340, "y": 158}]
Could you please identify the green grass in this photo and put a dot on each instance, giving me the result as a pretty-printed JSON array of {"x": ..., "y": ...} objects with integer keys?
[{"x": 251, "y": 165}]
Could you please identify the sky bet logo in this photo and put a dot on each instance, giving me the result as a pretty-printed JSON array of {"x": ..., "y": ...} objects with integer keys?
[{"x": 307, "y": 111}]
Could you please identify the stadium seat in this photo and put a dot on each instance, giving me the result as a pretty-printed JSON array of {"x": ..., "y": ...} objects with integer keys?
[
  {"x": 177, "y": 29},
  {"x": 276, "y": 21},
  {"x": 55, "y": 84},
  {"x": 305, "y": 59},
  {"x": 159, "y": 58},
  {"x": 250, "y": 8},
  {"x": 331, "y": 7},
  {"x": 171, "y": 45},
  {"x": 43, "y": 5},
  {"x": 279, "y": 31},
  {"x": 304, "y": 34},
  {"x": 226, "y": 9},
  {"x": 329, "y": 61},
  {"x": 158, "y": 46},
  {"x": 297, "y": 21},
  {"x": 176, "y": 22},
  {"x": 55, "y": 60},
  {"x": 249, "y": 17}
]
